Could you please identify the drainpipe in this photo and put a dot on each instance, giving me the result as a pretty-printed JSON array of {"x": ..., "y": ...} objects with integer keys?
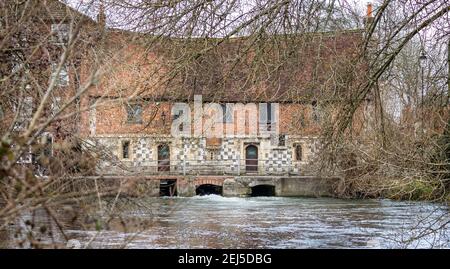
[
  {"x": 239, "y": 165},
  {"x": 369, "y": 17},
  {"x": 448, "y": 74}
]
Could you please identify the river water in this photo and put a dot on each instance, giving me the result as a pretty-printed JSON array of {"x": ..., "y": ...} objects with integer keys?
[{"x": 263, "y": 222}]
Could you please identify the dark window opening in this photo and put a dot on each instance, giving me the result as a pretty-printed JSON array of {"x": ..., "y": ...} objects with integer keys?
[
  {"x": 298, "y": 152},
  {"x": 269, "y": 117},
  {"x": 282, "y": 140},
  {"x": 126, "y": 149},
  {"x": 163, "y": 158},
  {"x": 168, "y": 187},
  {"x": 316, "y": 117},
  {"x": 176, "y": 116},
  {"x": 207, "y": 189},
  {"x": 134, "y": 113},
  {"x": 263, "y": 190},
  {"x": 302, "y": 120},
  {"x": 315, "y": 113},
  {"x": 212, "y": 154},
  {"x": 251, "y": 158},
  {"x": 48, "y": 146}
]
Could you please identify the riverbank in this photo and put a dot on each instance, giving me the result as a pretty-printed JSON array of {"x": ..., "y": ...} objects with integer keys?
[{"x": 410, "y": 189}]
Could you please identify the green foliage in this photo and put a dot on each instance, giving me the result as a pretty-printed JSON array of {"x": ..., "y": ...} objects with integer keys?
[
  {"x": 98, "y": 225},
  {"x": 5, "y": 150},
  {"x": 421, "y": 190},
  {"x": 414, "y": 190}
]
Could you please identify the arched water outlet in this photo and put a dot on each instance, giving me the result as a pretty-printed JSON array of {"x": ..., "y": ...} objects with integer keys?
[
  {"x": 168, "y": 187},
  {"x": 263, "y": 190},
  {"x": 206, "y": 189}
]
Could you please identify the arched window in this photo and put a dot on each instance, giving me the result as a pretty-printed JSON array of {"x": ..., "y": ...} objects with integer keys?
[
  {"x": 251, "y": 158},
  {"x": 298, "y": 152}
]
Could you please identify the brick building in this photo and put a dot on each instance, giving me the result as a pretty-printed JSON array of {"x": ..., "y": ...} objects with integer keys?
[
  {"x": 133, "y": 108},
  {"x": 137, "y": 131},
  {"x": 31, "y": 59}
]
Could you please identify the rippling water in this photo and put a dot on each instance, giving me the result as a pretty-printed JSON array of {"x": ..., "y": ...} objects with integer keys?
[{"x": 269, "y": 222}]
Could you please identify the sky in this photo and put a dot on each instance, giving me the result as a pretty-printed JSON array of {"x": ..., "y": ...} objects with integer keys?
[{"x": 90, "y": 7}]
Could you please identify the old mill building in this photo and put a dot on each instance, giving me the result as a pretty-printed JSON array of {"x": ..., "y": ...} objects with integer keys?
[{"x": 276, "y": 89}]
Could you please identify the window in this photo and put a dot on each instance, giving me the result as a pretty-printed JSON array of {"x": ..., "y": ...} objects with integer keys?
[
  {"x": 55, "y": 105},
  {"x": 212, "y": 154},
  {"x": 269, "y": 117},
  {"x": 163, "y": 158},
  {"x": 27, "y": 108},
  {"x": 26, "y": 156},
  {"x": 125, "y": 149},
  {"x": 282, "y": 140},
  {"x": 62, "y": 79},
  {"x": 176, "y": 116},
  {"x": 60, "y": 33},
  {"x": 302, "y": 120},
  {"x": 298, "y": 152},
  {"x": 278, "y": 140},
  {"x": 266, "y": 117},
  {"x": 25, "y": 113},
  {"x": 48, "y": 145},
  {"x": 227, "y": 113},
  {"x": 134, "y": 113},
  {"x": 315, "y": 112}
]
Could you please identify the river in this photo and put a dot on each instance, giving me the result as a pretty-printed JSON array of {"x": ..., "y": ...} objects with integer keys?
[{"x": 259, "y": 222}]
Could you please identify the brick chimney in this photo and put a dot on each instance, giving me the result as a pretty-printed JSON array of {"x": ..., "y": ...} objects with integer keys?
[
  {"x": 369, "y": 17},
  {"x": 101, "y": 16}
]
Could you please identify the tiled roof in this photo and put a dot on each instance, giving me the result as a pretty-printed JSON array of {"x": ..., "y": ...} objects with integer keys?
[
  {"x": 297, "y": 68},
  {"x": 57, "y": 11}
]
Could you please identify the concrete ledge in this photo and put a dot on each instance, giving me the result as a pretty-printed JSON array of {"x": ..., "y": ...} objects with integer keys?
[
  {"x": 237, "y": 186},
  {"x": 309, "y": 186}
]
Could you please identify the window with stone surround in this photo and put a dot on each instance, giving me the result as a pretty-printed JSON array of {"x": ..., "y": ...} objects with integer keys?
[
  {"x": 212, "y": 154},
  {"x": 315, "y": 112},
  {"x": 278, "y": 140},
  {"x": 282, "y": 140},
  {"x": 56, "y": 105},
  {"x": 125, "y": 149},
  {"x": 60, "y": 33},
  {"x": 227, "y": 113},
  {"x": 26, "y": 156},
  {"x": 176, "y": 116},
  {"x": 301, "y": 120},
  {"x": 47, "y": 141},
  {"x": 25, "y": 113},
  {"x": 134, "y": 113},
  {"x": 62, "y": 79},
  {"x": 298, "y": 152}
]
